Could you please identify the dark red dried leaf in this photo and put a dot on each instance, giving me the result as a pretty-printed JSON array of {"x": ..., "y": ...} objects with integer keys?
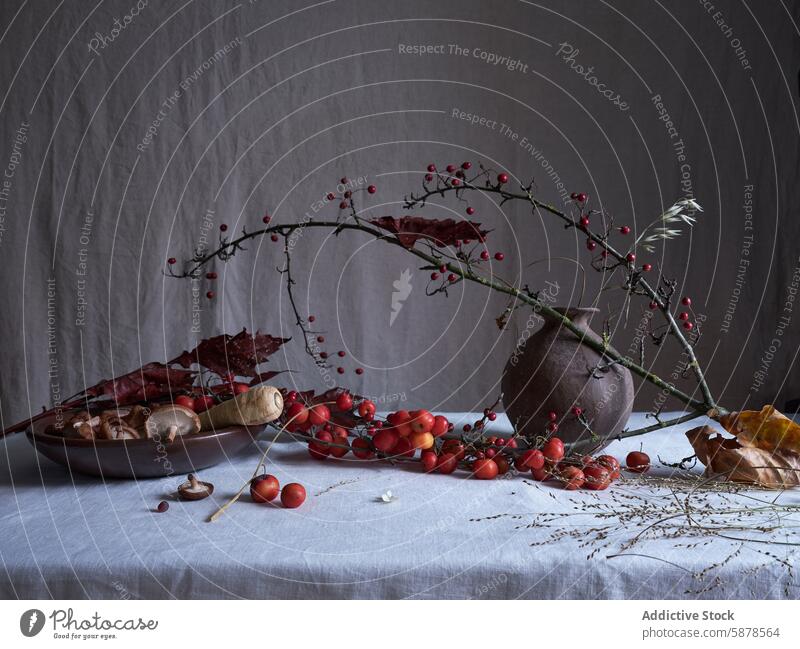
[{"x": 441, "y": 232}]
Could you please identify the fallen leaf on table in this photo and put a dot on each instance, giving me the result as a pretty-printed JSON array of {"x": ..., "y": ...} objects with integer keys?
[
  {"x": 766, "y": 429},
  {"x": 727, "y": 457}
]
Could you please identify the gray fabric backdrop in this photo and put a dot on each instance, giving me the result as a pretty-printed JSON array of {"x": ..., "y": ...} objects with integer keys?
[{"x": 124, "y": 143}]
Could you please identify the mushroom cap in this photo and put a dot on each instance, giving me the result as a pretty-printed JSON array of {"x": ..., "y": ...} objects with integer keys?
[
  {"x": 161, "y": 419},
  {"x": 194, "y": 489}
]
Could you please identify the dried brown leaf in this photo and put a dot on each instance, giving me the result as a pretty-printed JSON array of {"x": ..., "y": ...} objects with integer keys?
[{"x": 725, "y": 456}]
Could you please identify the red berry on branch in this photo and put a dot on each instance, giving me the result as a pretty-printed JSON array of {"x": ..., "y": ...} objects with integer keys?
[
  {"x": 553, "y": 449},
  {"x": 341, "y": 353},
  {"x": 552, "y": 415},
  {"x": 581, "y": 198},
  {"x": 343, "y": 180},
  {"x": 428, "y": 178},
  {"x": 223, "y": 227},
  {"x": 577, "y": 411},
  {"x": 267, "y": 218},
  {"x": 470, "y": 211},
  {"x": 330, "y": 196},
  {"x": 432, "y": 168},
  {"x": 466, "y": 428},
  {"x": 210, "y": 295},
  {"x": 552, "y": 427},
  {"x": 450, "y": 169},
  {"x": 359, "y": 371},
  {"x": 499, "y": 256},
  {"x": 344, "y": 402},
  {"x": 686, "y": 301},
  {"x": 502, "y": 178},
  {"x": 647, "y": 267},
  {"x": 683, "y": 316},
  {"x": 292, "y": 396},
  {"x": 320, "y": 339},
  {"x": 455, "y": 182},
  {"x": 466, "y": 165},
  {"x": 362, "y": 448},
  {"x": 485, "y": 255},
  {"x": 171, "y": 260},
  {"x": 162, "y": 507},
  {"x": 323, "y": 355},
  {"x": 211, "y": 275},
  {"x": 340, "y": 370},
  {"x": 343, "y": 205},
  {"x": 590, "y": 245},
  {"x": 274, "y": 237},
  {"x": 348, "y": 194},
  {"x": 442, "y": 268},
  {"x": 491, "y": 416},
  {"x": 653, "y": 306},
  {"x": 688, "y": 326},
  {"x": 451, "y": 277},
  {"x": 604, "y": 254},
  {"x": 372, "y": 189},
  {"x": 574, "y": 196},
  {"x": 624, "y": 229},
  {"x": 572, "y": 477},
  {"x": 434, "y": 276},
  {"x": 630, "y": 258},
  {"x": 584, "y": 221}
]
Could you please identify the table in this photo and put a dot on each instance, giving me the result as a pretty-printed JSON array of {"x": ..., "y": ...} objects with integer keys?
[{"x": 69, "y": 536}]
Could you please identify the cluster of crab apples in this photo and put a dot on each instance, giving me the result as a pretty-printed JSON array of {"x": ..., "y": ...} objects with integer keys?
[{"x": 336, "y": 429}]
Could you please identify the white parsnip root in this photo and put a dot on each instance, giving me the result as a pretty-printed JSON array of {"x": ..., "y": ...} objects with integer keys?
[{"x": 257, "y": 406}]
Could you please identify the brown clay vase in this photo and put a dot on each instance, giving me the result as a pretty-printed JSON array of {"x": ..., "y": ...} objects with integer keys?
[{"x": 552, "y": 371}]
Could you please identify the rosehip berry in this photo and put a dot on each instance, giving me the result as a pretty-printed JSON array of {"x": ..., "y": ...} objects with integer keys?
[
  {"x": 343, "y": 180},
  {"x": 210, "y": 295},
  {"x": 343, "y": 205},
  {"x": 372, "y": 189},
  {"x": 499, "y": 256},
  {"x": 574, "y": 196},
  {"x": 274, "y": 237},
  {"x": 162, "y": 507},
  {"x": 455, "y": 182},
  {"x": 428, "y": 178},
  {"x": 630, "y": 258},
  {"x": 647, "y": 267},
  {"x": 330, "y": 196},
  {"x": 450, "y": 169},
  {"x": 553, "y": 449},
  {"x": 502, "y": 178},
  {"x": 451, "y": 277},
  {"x": 552, "y": 415},
  {"x": 340, "y": 370},
  {"x": 686, "y": 301},
  {"x": 223, "y": 227},
  {"x": 348, "y": 194},
  {"x": 323, "y": 355},
  {"x": 688, "y": 326},
  {"x": 491, "y": 416},
  {"x": 432, "y": 168},
  {"x": 362, "y": 449},
  {"x": 683, "y": 316},
  {"x": 597, "y": 477},
  {"x": 624, "y": 230},
  {"x": 572, "y": 477},
  {"x": 584, "y": 221},
  {"x": 485, "y": 255},
  {"x": 311, "y": 318},
  {"x": 611, "y": 463},
  {"x": 211, "y": 276},
  {"x": 359, "y": 371},
  {"x": 581, "y": 198},
  {"x": 446, "y": 463},
  {"x": 552, "y": 427},
  {"x": 442, "y": 268},
  {"x": 490, "y": 452},
  {"x": 434, "y": 276},
  {"x": 293, "y": 495},
  {"x": 466, "y": 165},
  {"x": 470, "y": 211},
  {"x": 344, "y": 402},
  {"x": 653, "y": 306},
  {"x": 485, "y": 469},
  {"x": 590, "y": 245},
  {"x": 429, "y": 460},
  {"x": 171, "y": 261},
  {"x": 577, "y": 411},
  {"x": 638, "y": 461}
]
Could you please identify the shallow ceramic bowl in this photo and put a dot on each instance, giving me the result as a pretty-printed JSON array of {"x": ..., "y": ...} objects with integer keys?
[{"x": 140, "y": 458}]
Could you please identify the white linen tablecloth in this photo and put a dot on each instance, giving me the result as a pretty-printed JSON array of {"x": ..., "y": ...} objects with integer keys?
[{"x": 65, "y": 536}]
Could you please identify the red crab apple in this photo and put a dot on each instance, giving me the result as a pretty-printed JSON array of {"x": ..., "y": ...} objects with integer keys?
[{"x": 264, "y": 488}]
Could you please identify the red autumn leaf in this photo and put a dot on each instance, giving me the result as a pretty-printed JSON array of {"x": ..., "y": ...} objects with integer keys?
[
  {"x": 441, "y": 232},
  {"x": 240, "y": 355}
]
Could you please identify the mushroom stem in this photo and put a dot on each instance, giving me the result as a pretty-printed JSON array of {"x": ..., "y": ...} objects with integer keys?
[
  {"x": 172, "y": 432},
  {"x": 193, "y": 481}
]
